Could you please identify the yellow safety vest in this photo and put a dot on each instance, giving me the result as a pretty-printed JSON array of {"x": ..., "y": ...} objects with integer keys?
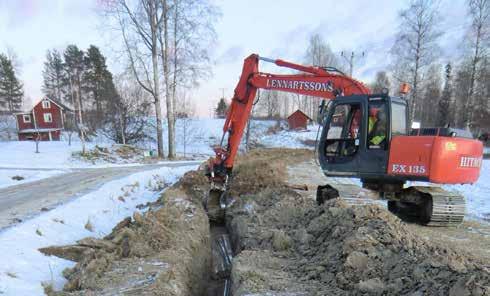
[
  {"x": 376, "y": 140},
  {"x": 371, "y": 122}
]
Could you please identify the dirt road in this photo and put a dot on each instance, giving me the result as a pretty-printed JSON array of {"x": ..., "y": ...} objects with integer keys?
[{"x": 25, "y": 200}]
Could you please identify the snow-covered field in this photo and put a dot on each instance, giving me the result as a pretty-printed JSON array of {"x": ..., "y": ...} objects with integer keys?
[
  {"x": 52, "y": 155},
  {"x": 198, "y": 136},
  {"x": 10, "y": 177},
  {"x": 291, "y": 139},
  {"x": 23, "y": 268}
]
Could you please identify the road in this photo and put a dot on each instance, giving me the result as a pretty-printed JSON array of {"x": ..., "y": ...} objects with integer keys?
[{"x": 26, "y": 200}]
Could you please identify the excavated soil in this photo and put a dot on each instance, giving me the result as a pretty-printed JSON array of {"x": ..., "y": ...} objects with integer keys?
[
  {"x": 283, "y": 244},
  {"x": 287, "y": 245}
]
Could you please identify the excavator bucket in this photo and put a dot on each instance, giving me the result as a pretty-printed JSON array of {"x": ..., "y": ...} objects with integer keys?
[{"x": 215, "y": 205}]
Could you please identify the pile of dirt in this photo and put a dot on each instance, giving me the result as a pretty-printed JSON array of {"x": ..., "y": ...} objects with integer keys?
[
  {"x": 116, "y": 153},
  {"x": 165, "y": 251},
  {"x": 263, "y": 168},
  {"x": 287, "y": 245}
]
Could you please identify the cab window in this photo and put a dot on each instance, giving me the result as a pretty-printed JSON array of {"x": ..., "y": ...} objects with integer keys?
[
  {"x": 398, "y": 119},
  {"x": 343, "y": 130}
]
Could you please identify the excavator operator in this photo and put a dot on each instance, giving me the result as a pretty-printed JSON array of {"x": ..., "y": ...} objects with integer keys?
[{"x": 376, "y": 127}]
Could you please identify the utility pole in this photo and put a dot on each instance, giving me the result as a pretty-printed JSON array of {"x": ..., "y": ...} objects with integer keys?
[
  {"x": 222, "y": 92},
  {"x": 350, "y": 60}
]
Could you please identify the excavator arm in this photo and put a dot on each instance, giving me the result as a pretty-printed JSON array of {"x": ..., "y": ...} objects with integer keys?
[{"x": 326, "y": 83}]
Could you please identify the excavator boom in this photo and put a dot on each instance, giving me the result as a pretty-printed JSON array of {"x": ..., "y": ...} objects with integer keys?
[{"x": 326, "y": 83}]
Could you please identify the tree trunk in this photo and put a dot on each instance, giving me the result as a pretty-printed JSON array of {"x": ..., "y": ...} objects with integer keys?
[
  {"x": 414, "y": 101},
  {"x": 82, "y": 127},
  {"x": 169, "y": 99},
  {"x": 156, "y": 80},
  {"x": 469, "y": 108}
]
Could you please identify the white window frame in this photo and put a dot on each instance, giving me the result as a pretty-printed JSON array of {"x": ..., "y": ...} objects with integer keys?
[
  {"x": 46, "y": 104},
  {"x": 48, "y": 117},
  {"x": 28, "y": 117}
]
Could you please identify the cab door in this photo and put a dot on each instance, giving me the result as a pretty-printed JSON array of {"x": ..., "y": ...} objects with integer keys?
[
  {"x": 341, "y": 139},
  {"x": 374, "y": 157}
]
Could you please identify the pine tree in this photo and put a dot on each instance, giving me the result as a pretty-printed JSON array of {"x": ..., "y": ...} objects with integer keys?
[
  {"x": 10, "y": 87},
  {"x": 98, "y": 82},
  {"x": 74, "y": 67},
  {"x": 54, "y": 76},
  {"x": 444, "y": 107},
  {"x": 220, "y": 110}
]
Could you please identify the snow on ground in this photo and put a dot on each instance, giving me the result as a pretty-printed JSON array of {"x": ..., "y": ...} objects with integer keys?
[
  {"x": 53, "y": 155},
  {"x": 477, "y": 195},
  {"x": 9, "y": 177},
  {"x": 23, "y": 268},
  {"x": 291, "y": 139},
  {"x": 198, "y": 136}
]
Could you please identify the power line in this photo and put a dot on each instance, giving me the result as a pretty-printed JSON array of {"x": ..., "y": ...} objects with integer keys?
[{"x": 350, "y": 60}]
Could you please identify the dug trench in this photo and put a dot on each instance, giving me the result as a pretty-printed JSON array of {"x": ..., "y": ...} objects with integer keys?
[{"x": 282, "y": 244}]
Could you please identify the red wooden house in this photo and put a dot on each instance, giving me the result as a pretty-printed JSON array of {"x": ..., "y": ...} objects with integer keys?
[
  {"x": 45, "y": 121},
  {"x": 298, "y": 120}
]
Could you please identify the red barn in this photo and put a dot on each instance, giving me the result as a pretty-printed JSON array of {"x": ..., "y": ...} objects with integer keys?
[
  {"x": 45, "y": 120},
  {"x": 298, "y": 120}
]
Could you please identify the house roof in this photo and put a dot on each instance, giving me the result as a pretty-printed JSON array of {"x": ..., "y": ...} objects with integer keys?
[
  {"x": 56, "y": 102},
  {"x": 301, "y": 112},
  {"x": 61, "y": 105}
]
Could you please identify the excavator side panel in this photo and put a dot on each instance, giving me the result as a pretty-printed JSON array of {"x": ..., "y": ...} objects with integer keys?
[
  {"x": 445, "y": 160},
  {"x": 410, "y": 156}
]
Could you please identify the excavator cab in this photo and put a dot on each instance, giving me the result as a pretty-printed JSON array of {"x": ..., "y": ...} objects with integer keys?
[{"x": 356, "y": 134}]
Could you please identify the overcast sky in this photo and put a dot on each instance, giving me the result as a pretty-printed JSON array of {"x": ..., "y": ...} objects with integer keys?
[{"x": 273, "y": 28}]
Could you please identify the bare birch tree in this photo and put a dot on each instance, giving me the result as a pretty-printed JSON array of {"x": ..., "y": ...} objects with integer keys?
[
  {"x": 186, "y": 36},
  {"x": 319, "y": 54},
  {"x": 416, "y": 46},
  {"x": 139, "y": 23},
  {"x": 479, "y": 11}
]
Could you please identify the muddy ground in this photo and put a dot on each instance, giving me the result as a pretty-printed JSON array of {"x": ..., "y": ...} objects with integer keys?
[{"x": 283, "y": 243}]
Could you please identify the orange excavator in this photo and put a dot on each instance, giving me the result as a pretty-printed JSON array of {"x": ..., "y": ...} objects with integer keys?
[{"x": 364, "y": 135}]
